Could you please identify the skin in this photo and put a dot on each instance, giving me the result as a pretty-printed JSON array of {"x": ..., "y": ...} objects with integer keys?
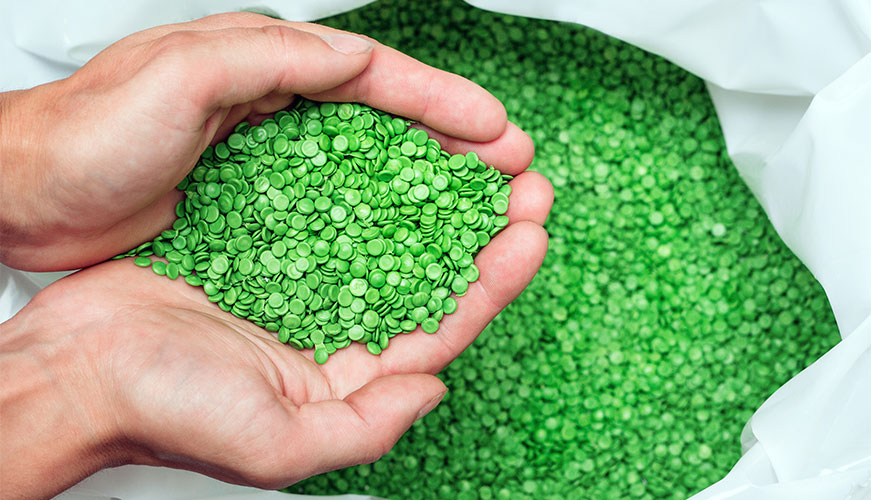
[
  {"x": 114, "y": 365},
  {"x": 183, "y": 87}
]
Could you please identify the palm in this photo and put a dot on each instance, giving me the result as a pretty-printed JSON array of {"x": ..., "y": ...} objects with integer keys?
[{"x": 195, "y": 382}]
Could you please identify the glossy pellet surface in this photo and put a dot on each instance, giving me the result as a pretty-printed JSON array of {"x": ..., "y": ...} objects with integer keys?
[
  {"x": 301, "y": 226},
  {"x": 667, "y": 309}
]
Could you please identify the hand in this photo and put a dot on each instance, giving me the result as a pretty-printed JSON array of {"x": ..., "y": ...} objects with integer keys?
[
  {"x": 90, "y": 162},
  {"x": 115, "y": 365}
]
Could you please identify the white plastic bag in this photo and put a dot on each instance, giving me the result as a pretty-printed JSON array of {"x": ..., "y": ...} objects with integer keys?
[
  {"x": 44, "y": 40},
  {"x": 791, "y": 82},
  {"x": 138, "y": 482}
]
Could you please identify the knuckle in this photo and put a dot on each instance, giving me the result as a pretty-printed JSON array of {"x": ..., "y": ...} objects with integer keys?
[
  {"x": 179, "y": 61},
  {"x": 174, "y": 53},
  {"x": 175, "y": 43},
  {"x": 377, "y": 450},
  {"x": 237, "y": 18},
  {"x": 282, "y": 40}
]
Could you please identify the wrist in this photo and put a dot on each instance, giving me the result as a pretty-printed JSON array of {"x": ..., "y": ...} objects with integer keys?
[
  {"x": 24, "y": 227},
  {"x": 55, "y": 427}
]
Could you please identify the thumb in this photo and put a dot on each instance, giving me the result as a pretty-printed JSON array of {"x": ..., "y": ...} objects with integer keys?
[
  {"x": 362, "y": 427},
  {"x": 202, "y": 71}
]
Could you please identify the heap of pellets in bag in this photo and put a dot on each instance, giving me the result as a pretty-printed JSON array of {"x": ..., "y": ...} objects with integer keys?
[
  {"x": 330, "y": 224},
  {"x": 666, "y": 311}
]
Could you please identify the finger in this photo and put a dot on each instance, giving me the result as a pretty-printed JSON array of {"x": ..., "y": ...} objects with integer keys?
[
  {"x": 402, "y": 85},
  {"x": 531, "y": 198},
  {"x": 254, "y": 113},
  {"x": 393, "y": 81},
  {"x": 327, "y": 435},
  {"x": 530, "y": 201},
  {"x": 221, "y": 68},
  {"x": 231, "y": 118},
  {"x": 398, "y": 84},
  {"x": 207, "y": 23},
  {"x": 507, "y": 265},
  {"x": 511, "y": 152},
  {"x": 268, "y": 105}
]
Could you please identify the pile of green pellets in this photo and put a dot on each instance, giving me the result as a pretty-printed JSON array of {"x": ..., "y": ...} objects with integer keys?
[
  {"x": 667, "y": 309},
  {"x": 330, "y": 224}
]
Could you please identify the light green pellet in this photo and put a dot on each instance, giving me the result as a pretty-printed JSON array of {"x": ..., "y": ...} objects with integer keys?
[
  {"x": 142, "y": 261},
  {"x": 324, "y": 239},
  {"x": 429, "y": 325},
  {"x": 618, "y": 373},
  {"x": 159, "y": 268}
]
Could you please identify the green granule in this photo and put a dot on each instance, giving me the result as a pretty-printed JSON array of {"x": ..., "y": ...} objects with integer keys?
[
  {"x": 667, "y": 309},
  {"x": 331, "y": 224}
]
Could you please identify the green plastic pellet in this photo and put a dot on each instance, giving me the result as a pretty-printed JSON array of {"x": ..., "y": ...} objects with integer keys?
[
  {"x": 321, "y": 356},
  {"x": 434, "y": 272},
  {"x": 220, "y": 264},
  {"x": 159, "y": 267},
  {"x": 621, "y": 371},
  {"x": 314, "y": 243},
  {"x": 500, "y": 203},
  {"x": 236, "y": 141},
  {"x": 356, "y": 332},
  {"x": 375, "y": 247},
  {"x": 172, "y": 270},
  {"x": 142, "y": 261},
  {"x": 370, "y": 320},
  {"x": 358, "y": 287},
  {"x": 470, "y": 274},
  {"x": 283, "y": 335},
  {"x": 449, "y": 305},
  {"x": 459, "y": 285},
  {"x": 429, "y": 325}
]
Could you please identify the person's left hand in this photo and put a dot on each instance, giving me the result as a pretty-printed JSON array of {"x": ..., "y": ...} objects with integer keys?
[
  {"x": 90, "y": 162},
  {"x": 115, "y": 365}
]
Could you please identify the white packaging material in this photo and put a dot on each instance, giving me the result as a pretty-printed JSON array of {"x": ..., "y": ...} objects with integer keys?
[
  {"x": 791, "y": 82},
  {"x": 137, "y": 482},
  {"x": 44, "y": 40}
]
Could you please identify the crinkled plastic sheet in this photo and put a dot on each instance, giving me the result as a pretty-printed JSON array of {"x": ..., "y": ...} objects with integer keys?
[{"x": 791, "y": 83}]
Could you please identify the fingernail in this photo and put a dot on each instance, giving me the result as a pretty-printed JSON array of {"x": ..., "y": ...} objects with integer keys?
[
  {"x": 430, "y": 405},
  {"x": 347, "y": 44}
]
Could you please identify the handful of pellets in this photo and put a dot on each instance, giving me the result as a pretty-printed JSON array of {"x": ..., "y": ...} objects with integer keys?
[{"x": 332, "y": 223}]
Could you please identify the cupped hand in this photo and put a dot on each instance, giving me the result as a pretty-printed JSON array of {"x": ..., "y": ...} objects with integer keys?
[
  {"x": 91, "y": 161},
  {"x": 162, "y": 376}
]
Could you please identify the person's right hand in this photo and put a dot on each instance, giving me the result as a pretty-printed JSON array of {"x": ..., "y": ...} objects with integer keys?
[
  {"x": 89, "y": 163},
  {"x": 116, "y": 365}
]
